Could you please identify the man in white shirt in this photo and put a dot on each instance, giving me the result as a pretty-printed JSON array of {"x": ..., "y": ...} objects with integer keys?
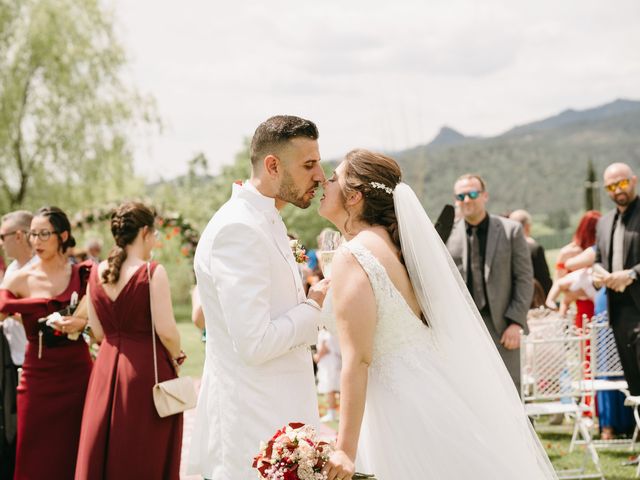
[{"x": 14, "y": 238}]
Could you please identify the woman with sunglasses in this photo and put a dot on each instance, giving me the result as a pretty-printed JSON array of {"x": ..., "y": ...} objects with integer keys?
[{"x": 57, "y": 364}]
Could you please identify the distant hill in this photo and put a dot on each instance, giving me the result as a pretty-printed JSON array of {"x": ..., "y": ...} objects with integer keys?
[
  {"x": 448, "y": 137},
  {"x": 540, "y": 166}
]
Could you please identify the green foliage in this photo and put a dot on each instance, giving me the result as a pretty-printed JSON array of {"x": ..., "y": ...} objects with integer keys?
[
  {"x": 65, "y": 113},
  {"x": 558, "y": 219},
  {"x": 198, "y": 194},
  {"x": 179, "y": 266}
]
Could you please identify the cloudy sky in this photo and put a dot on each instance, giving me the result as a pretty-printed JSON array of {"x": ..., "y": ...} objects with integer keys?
[{"x": 383, "y": 75}]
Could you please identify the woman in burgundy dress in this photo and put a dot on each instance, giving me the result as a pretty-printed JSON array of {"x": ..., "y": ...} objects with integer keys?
[
  {"x": 56, "y": 369},
  {"x": 122, "y": 436}
]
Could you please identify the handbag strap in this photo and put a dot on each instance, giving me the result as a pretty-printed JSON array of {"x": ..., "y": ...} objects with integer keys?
[{"x": 153, "y": 328}]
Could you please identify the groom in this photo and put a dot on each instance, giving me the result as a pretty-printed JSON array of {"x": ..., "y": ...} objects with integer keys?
[{"x": 258, "y": 373}]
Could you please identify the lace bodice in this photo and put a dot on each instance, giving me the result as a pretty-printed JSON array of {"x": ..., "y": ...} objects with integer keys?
[{"x": 399, "y": 333}]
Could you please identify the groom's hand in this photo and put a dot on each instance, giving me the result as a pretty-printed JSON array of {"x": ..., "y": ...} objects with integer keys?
[
  {"x": 339, "y": 466},
  {"x": 318, "y": 291}
]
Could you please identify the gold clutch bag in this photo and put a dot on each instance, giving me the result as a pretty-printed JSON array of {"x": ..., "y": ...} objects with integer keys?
[{"x": 174, "y": 396}]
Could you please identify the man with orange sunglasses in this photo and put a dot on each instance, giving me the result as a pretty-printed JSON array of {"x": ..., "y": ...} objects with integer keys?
[{"x": 618, "y": 252}]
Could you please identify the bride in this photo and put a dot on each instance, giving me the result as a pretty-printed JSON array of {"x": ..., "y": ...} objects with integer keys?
[{"x": 424, "y": 393}]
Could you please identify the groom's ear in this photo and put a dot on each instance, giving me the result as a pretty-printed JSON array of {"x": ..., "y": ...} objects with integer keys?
[{"x": 272, "y": 165}]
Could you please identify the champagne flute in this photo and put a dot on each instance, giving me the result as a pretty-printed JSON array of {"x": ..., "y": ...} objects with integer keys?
[{"x": 328, "y": 242}]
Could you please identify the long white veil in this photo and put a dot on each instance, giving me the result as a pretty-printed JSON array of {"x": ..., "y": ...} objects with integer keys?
[{"x": 475, "y": 367}]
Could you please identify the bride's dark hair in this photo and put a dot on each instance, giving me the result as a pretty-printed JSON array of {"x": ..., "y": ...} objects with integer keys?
[{"x": 375, "y": 176}]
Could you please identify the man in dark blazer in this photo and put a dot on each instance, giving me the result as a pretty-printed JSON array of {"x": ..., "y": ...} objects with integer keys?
[
  {"x": 618, "y": 252},
  {"x": 493, "y": 258},
  {"x": 541, "y": 274}
]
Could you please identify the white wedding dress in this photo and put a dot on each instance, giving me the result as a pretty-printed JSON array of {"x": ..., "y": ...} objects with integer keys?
[{"x": 440, "y": 403}]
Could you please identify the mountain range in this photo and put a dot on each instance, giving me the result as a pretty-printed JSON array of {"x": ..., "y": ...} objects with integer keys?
[{"x": 540, "y": 166}]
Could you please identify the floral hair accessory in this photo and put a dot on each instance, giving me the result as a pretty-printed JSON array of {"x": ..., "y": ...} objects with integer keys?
[
  {"x": 299, "y": 252},
  {"x": 382, "y": 186}
]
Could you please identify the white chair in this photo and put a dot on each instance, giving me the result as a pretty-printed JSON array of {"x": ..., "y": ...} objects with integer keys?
[
  {"x": 607, "y": 371},
  {"x": 554, "y": 380}
]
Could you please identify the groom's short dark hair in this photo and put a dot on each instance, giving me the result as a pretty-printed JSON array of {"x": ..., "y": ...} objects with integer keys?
[{"x": 274, "y": 132}]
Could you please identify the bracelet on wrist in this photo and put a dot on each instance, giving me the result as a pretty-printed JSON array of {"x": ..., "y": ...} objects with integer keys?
[{"x": 179, "y": 360}]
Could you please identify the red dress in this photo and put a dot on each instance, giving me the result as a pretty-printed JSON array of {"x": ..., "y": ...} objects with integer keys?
[
  {"x": 122, "y": 435},
  {"x": 52, "y": 388},
  {"x": 585, "y": 307}
]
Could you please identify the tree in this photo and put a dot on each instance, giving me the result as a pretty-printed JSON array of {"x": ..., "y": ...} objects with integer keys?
[
  {"x": 65, "y": 112},
  {"x": 591, "y": 190},
  {"x": 559, "y": 219}
]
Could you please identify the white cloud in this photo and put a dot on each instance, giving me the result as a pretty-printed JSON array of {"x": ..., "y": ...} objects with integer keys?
[{"x": 376, "y": 74}]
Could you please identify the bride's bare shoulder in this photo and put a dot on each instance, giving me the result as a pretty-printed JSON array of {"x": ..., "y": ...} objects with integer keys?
[
  {"x": 349, "y": 280},
  {"x": 378, "y": 242},
  {"x": 346, "y": 268},
  {"x": 343, "y": 259}
]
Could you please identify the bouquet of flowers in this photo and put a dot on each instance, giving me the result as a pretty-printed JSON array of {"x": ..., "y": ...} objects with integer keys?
[{"x": 294, "y": 453}]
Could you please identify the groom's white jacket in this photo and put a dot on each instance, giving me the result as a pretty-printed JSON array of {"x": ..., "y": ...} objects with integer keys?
[{"x": 258, "y": 373}]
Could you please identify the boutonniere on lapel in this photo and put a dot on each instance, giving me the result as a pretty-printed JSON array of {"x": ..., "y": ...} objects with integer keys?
[
  {"x": 299, "y": 252},
  {"x": 238, "y": 182}
]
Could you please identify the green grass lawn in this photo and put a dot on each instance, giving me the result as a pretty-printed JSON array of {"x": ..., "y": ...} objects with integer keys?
[{"x": 556, "y": 440}]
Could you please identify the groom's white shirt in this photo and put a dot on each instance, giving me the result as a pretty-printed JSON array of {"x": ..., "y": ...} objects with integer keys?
[{"x": 258, "y": 373}]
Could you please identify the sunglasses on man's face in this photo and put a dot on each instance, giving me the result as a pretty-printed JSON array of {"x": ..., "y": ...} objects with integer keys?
[
  {"x": 621, "y": 184},
  {"x": 473, "y": 194}
]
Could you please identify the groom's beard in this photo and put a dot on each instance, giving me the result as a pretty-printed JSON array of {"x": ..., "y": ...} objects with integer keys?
[{"x": 291, "y": 194}]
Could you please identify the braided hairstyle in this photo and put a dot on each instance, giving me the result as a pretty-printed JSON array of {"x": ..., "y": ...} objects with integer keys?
[
  {"x": 126, "y": 222},
  {"x": 60, "y": 223},
  {"x": 362, "y": 170}
]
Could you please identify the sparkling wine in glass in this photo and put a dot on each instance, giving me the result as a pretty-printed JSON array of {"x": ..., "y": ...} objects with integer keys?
[
  {"x": 325, "y": 257},
  {"x": 328, "y": 242}
]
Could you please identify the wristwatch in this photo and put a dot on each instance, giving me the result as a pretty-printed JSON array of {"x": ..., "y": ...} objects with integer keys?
[{"x": 633, "y": 275}]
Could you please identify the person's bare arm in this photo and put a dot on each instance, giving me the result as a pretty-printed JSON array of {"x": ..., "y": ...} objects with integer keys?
[
  {"x": 584, "y": 259},
  {"x": 356, "y": 314},
  {"x": 94, "y": 321},
  {"x": 162, "y": 312},
  {"x": 197, "y": 314},
  {"x": 17, "y": 285}
]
